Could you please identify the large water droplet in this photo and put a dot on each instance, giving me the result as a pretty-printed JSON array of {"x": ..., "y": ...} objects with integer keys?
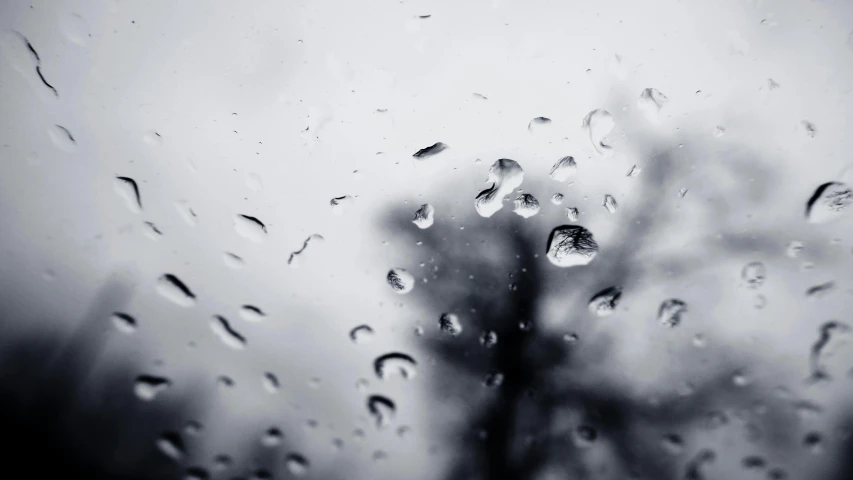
[
  {"x": 753, "y": 274},
  {"x": 526, "y": 205},
  {"x": 571, "y": 245},
  {"x": 604, "y": 303},
  {"x": 62, "y": 138},
  {"x": 341, "y": 204},
  {"x": 505, "y": 175},
  {"x": 395, "y": 363},
  {"x": 401, "y": 281},
  {"x": 598, "y": 124},
  {"x": 251, "y": 313},
  {"x": 829, "y": 202},
  {"x": 173, "y": 289},
  {"x": 382, "y": 409},
  {"x": 270, "y": 382},
  {"x": 250, "y": 228},
  {"x": 424, "y": 216},
  {"x": 361, "y": 334},
  {"x": 127, "y": 189},
  {"x": 171, "y": 445},
  {"x": 123, "y": 322},
  {"x": 147, "y": 387},
  {"x": 449, "y": 323},
  {"x": 429, "y": 151},
  {"x": 231, "y": 338},
  {"x": 670, "y": 312},
  {"x": 650, "y": 103},
  {"x": 610, "y": 203},
  {"x": 564, "y": 169},
  {"x": 297, "y": 258},
  {"x": 296, "y": 464}
]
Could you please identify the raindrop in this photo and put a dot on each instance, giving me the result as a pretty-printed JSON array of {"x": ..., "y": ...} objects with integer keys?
[
  {"x": 814, "y": 442},
  {"x": 74, "y": 28},
  {"x": 650, "y": 103},
  {"x": 62, "y": 138},
  {"x": 635, "y": 170},
  {"x": 251, "y": 313},
  {"x": 610, "y": 203},
  {"x": 250, "y": 228},
  {"x": 123, "y": 322},
  {"x": 171, "y": 445},
  {"x": 819, "y": 291},
  {"x": 604, "y": 303},
  {"x": 152, "y": 138},
  {"x": 794, "y": 248},
  {"x": 557, "y": 198},
  {"x": 395, "y": 363},
  {"x": 564, "y": 169},
  {"x": 526, "y": 205},
  {"x": 826, "y": 331},
  {"x": 493, "y": 380},
  {"x": 759, "y": 302},
  {"x": 296, "y": 464},
  {"x": 777, "y": 473},
  {"x": 382, "y": 409},
  {"x": 148, "y": 387},
  {"x": 829, "y": 202},
  {"x": 127, "y": 189},
  {"x": 753, "y": 462},
  {"x": 193, "y": 428},
  {"x": 809, "y": 127},
  {"x": 506, "y": 175},
  {"x": 599, "y": 123},
  {"x": 296, "y": 258},
  {"x": 699, "y": 341},
  {"x": 173, "y": 289},
  {"x": 23, "y": 58},
  {"x": 151, "y": 231},
  {"x": 341, "y": 204},
  {"x": 489, "y": 339},
  {"x": 401, "y": 281},
  {"x": 682, "y": 192},
  {"x": 231, "y": 338},
  {"x": 572, "y": 214},
  {"x": 272, "y": 437},
  {"x": 232, "y": 260},
  {"x": 571, "y": 245},
  {"x": 222, "y": 462},
  {"x": 186, "y": 212},
  {"x": 225, "y": 381},
  {"x": 431, "y": 150},
  {"x": 361, "y": 334},
  {"x": 536, "y": 122},
  {"x": 670, "y": 312},
  {"x": 673, "y": 444},
  {"x": 449, "y": 323},
  {"x": 584, "y": 436},
  {"x": 270, "y": 382},
  {"x": 719, "y": 131},
  {"x": 693, "y": 469},
  {"x": 424, "y": 216},
  {"x": 753, "y": 274},
  {"x": 403, "y": 431}
]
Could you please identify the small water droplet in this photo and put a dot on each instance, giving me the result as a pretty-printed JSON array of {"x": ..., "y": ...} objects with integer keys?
[
  {"x": 572, "y": 214},
  {"x": 270, "y": 382},
  {"x": 296, "y": 464},
  {"x": 829, "y": 202},
  {"x": 813, "y": 441},
  {"x": 127, "y": 189},
  {"x": 251, "y": 313},
  {"x": 584, "y": 436},
  {"x": 635, "y": 170},
  {"x": 148, "y": 387},
  {"x": 152, "y": 231},
  {"x": 124, "y": 322},
  {"x": 682, "y": 192},
  {"x": 404, "y": 431},
  {"x": 719, "y": 131},
  {"x": 171, "y": 445},
  {"x": 650, "y": 103},
  {"x": 22, "y": 57},
  {"x": 753, "y": 462},
  {"x": 753, "y": 274},
  {"x": 564, "y": 169},
  {"x": 489, "y": 339},
  {"x": 777, "y": 473},
  {"x": 225, "y": 381},
  {"x": 827, "y": 332},
  {"x": 401, "y": 281},
  {"x": 610, "y": 203},
  {"x": 571, "y": 245},
  {"x": 557, "y": 198},
  {"x": 538, "y": 122},
  {"x": 449, "y": 323},
  {"x": 298, "y": 257},
  {"x": 604, "y": 303},
  {"x": 174, "y": 290},
  {"x": 62, "y": 138},
  {"x": 222, "y": 462},
  {"x": 809, "y": 127},
  {"x": 186, "y": 212},
  {"x": 693, "y": 469},
  {"x": 670, "y": 312},
  {"x": 193, "y": 428},
  {"x": 232, "y": 260},
  {"x": 395, "y": 363},
  {"x": 794, "y": 248},
  {"x": 673, "y": 444},
  {"x": 759, "y": 302},
  {"x": 429, "y": 151},
  {"x": 494, "y": 380},
  {"x": 505, "y": 175},
  {"x": 250, "y": 228},
  {"x": 424, "y": 216},
  {"x": 570, "y": 337},
  {"x": 152, "y": 138},
  {"x": 382, "y": 409},
  {"x": 361, "y": 334},
  {"x": 741, "y": 379},
  {"x": 74, "y": 27},
  {"x": 225, "y": 332},
  {"x": 341, "y": 204},
  {"x": 272, "y": 437},
  {"x": 526, "y": 205},
  {"x": 254, "y": 182},
  {"x": 820, "y": 291}
]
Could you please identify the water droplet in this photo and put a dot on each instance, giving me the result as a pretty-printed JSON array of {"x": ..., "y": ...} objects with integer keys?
[
  {"x": 296, "y": 464},
  {"x": 401, "y": 281},
  {"x": 584, "y": 436},
  {"x": 260, "y": 474},
  {"x": 571, "y": 245},
  {"x": 829, "y": 202},
  {"x": 538, "y": 122},
  {"x": 635, "y": 170},
  {"x": 759, "y": 302},
  {"x": 341, "y": 204},
  {"x": 251, "y": 313},
  {"x": 526, "y": 205},
  {"x": 395, "y": 363},
  {"x": 127, "y": 189},
  {"x": 272, "y": 437},
  {"x": 610, "y": 203},
  {"x": 424, "y": 216},
  {"x": 820, "y": 291},
  {"x": 250, "y": 228},
  {"x": 225, "y": 381},
  {"x": 298, "y": 257},
  {"x": 431, "y": 150},
  {"x": 62, "y": 138},
  {"x": 231, "y": 338},
  {"x": 570, "y": 337},
  {"x": 670, "y": 312},
  {"x": 147, "y": 387},
  {"x": 449, "y": 323},
  {"x": 403, "y": 431},
  {"x": 123, "y": 322},
  {"x": 557, "y": 198},
  {"x": 494, "y": 380},
  {"x": 777, "y": 473},
  {"x": 505, "y": 175},
  {"x": 186, "y": 212},
  {"x": 650, "y": 103},
  {"x": 599, "y": 123},
  {"x": 741, "y": 379},
  {"x": 74, "y": 28},
  {"x": 173, "y": 289},
  {"x": 693, "y": 469},
  {"x": 152, "y": 231},
  {"x": 809, "y": 127},
  {"x": 814, "y": 442},
  {"x": 604, "y": 303},
  {"x": 254, "y": 182},
  {"x": 564, "y": 169},
  {"x": 270, "y": 382},
  {"x": 361, "y": 334},
  {"x": 673, "y": 444},
  {"x": 753, "y": 462},
  {"x": 232, "y": 260},
  {"x": 794, "y": 248},
  {"x": 171, "y": 445},
  {"x": 489, "y": 339},
  {"x": 382, "y": 409},
  {"x": 152, "y": 138},
  {"x": 193, "y": 428},
  {"x": 572, "y": 214},
  {"x": 826, "y": 332},
  {"x": 719, "y": 131},
  {"x": 682, "y": 192},
  {"x": 22, "y": 57},
  {"x": 222, "y": 462},
  {"x": 753, "y": 274}
]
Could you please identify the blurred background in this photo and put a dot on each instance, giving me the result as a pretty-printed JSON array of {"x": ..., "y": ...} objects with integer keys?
[{"x": 202, "y": 202}]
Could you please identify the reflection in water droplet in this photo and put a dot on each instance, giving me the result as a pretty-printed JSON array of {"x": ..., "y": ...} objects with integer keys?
[
  {"x": 382, "y": 409},
  {"x": 449, "y": 323},
  {"x": 186, "y": 212},
  {"x": 429, "y": 151},
  {"x": 564, "y": 169},
  {"x": 270, "y": 382},
  {"x": 489, "y": 339},
  {"x": 173, "y": 289},
  {"x": 670, "y": 312},
  {"x": 599, "y": 123},
  {"x": 395, "y": 363},
  {"x": 505, "y": 175},
  {"x": 231, "y": 338},
  {"x": 604, "y": 303},
  {"x": 424, "y": 216},
  {"x": 572, "y": 214},
  {"x": 610, "y": 203},
  {"x": 171, "y": 445},
  {"x": 250, "y": 228},
  {"x": 341, "y": 204},
  {"x": 232, "y": 260},
  {"x": 753, "y": 274},
  {"x": 819, "y": 291},
  {"x": 557, "y": 198},
  {"x": 251, "y": 313},
  {"x": 526, "y": 205},
  {"x": 62, "y": 138},
  {"x": 401, "y": 281},
  {"x": 296, "y": 464},
  {"x": 123, "y": 322},
  {"x": 298, "y": 257},
  {"x": 361, "y": 334},
  {"x": 272, "y": 437},
  {"x": 650, "y": 103},
  {"x": 571, "y": 245},
  {"x": 127, "y": 189},
  {"x": 829, "y": 202},
  {"x": 147, "y": 387}
]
